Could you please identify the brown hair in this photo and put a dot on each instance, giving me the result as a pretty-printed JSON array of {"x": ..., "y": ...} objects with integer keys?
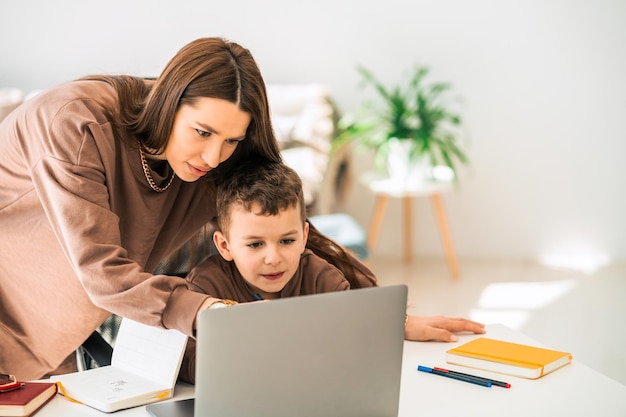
[
  {"x": 275, "y": 187},
  {"x": 206, "y": 67},
  {"x": 272, "y": 186}
]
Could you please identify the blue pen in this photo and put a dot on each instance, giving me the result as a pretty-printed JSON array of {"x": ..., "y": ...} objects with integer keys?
[
  {"x": 458, "y": 377},
  {"x": 257, "y": 296},
  {"x": 493, "y": 381}
]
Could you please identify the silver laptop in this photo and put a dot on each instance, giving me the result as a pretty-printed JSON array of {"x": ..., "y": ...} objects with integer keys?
[{"x": 326, "y": 355}]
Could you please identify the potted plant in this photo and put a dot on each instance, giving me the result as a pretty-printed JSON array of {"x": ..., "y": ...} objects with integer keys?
[{"x": 413, "y": 122}]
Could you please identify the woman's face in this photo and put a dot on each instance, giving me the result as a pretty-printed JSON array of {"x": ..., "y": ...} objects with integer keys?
[{"x": 204, "y": 135}]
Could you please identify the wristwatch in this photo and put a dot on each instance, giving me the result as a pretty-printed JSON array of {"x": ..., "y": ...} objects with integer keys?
[{"x": 221, "y": 304}]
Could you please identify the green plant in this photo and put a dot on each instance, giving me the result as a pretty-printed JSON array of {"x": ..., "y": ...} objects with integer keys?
[{"x": 415, "y": 112}]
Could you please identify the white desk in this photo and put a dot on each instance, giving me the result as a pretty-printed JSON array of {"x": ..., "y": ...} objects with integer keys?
[{"x": 575, "y": 390}]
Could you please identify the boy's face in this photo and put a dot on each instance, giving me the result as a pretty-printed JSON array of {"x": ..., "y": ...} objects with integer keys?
[{"x": 265, "y": 249}]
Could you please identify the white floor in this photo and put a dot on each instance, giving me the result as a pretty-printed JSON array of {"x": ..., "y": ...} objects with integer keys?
[{"x": 576, "y": 310}]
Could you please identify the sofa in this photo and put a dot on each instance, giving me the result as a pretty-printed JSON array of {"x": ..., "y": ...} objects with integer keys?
[
  {"x": 10, "y": 99},
  {"x": 305, "y": 123}
]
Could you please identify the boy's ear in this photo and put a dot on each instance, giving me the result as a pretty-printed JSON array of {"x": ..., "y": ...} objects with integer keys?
[
  {"x": 306, "y": 235},
  {"x": 222, "y": 245}
]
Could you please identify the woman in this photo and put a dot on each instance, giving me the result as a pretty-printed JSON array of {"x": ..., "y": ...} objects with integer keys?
[{"x": 104, "y": 177}]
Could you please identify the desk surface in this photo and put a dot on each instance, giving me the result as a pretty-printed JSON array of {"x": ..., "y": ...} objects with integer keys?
[{"x": 575, "y": 390}]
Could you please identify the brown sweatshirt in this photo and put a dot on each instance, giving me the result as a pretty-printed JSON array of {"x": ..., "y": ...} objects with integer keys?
[{"x": 79, "y": 228}]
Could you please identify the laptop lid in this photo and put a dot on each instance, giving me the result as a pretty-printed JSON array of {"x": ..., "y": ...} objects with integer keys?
[{"x": 332, "y": 354}]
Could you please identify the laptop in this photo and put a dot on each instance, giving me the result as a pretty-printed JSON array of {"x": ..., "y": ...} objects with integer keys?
[{"x": 333, "y": 354}]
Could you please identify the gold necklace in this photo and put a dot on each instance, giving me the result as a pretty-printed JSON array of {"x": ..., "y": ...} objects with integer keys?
[{"x": 146, "y": 171}]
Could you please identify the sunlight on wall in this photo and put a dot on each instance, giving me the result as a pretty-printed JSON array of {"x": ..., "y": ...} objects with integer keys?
[
  {"x": 585, "y": 262},
  {"x": 512, "y": 303},
  {"x": 575, "y": 253}
]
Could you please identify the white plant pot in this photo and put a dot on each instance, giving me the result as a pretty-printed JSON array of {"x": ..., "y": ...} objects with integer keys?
[{"x": 412, "y": 173}]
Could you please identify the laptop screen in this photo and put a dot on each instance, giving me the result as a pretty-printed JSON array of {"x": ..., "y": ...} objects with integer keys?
[{"x": 332, "y": 354}]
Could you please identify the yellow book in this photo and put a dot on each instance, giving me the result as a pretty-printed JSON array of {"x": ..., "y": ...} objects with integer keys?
[{"x": 508, "y": 358}]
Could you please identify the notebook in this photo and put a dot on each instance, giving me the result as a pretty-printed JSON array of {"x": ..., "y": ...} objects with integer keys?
[
  {"x": 333, "y": 354},
  {"x": 508, "y": 358},
  {"x": 144, "y": 367}
]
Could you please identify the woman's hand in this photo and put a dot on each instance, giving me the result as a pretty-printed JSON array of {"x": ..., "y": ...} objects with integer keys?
[{"x": 439, "y": 328}]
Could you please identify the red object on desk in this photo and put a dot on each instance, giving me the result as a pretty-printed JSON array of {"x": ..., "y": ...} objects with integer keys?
[{"x": 26, "y": 401}]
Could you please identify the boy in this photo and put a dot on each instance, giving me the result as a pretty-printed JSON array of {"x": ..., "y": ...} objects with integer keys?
[
  {"x": 268, "y": 250},
  {"x": 261, "y": 238}
]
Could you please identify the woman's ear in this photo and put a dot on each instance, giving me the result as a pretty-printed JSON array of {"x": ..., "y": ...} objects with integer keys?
[{"x": 222, "y": 245}]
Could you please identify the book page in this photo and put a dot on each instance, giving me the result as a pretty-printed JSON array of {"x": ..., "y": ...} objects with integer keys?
[
  {"x": 110, "y": 388},
  {"x": 150, "y": 352},
  {"x": 143, "y": 369}
]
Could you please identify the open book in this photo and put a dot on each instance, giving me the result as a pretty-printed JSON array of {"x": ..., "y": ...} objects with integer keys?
[
  {"x": 508, "y": 358},
  {"x": 143, "y": 370}
]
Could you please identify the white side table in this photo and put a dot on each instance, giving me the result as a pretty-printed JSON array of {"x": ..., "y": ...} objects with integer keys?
[{"x": 385, "y": 188}]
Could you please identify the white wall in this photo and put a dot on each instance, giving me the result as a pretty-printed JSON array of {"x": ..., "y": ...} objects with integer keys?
[{"x": 542, "y": 83}]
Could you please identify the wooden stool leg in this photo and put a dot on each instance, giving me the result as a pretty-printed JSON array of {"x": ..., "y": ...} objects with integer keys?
[
  {"x": 408, "y": 231},
  {"x": 445, "y": 235},
  {"x": 377, "y": 219}
]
